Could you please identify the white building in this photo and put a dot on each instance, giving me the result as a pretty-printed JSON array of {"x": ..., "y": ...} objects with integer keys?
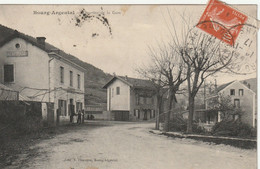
[
  {"x": 41, "y": 72},
  {"x": 131, "y": 99},
  {"x": 244, "y": 97}
]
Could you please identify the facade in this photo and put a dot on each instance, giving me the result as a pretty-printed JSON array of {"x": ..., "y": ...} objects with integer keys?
[
  {"x": 241, "y": 96},
  {"x": 41, "y": 72},
  {"x": 245, "y": 98},
  {"x": 130, "y": 99}
]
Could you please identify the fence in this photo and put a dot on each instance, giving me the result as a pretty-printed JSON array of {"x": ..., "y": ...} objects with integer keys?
[
  {"x": 20, "y": 116},
  {"x": 7, "y": 94}
]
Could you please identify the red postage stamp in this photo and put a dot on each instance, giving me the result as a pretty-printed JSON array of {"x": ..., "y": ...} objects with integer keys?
[{"x": 222, "y": 21}]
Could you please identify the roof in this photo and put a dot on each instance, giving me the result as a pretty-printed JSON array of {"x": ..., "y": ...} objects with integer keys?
[
  {"x": 133, "y": 82},
  {"x": 252, "y": 82},
  {"x": 248, "y": 83},
  {"x": 223, "y": 86},
  {"x": 7, "y": 34}
]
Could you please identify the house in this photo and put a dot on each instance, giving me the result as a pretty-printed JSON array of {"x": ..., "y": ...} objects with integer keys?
[
  {"x": 41, "y": 72},
  {"x": 130, "y": 99},
  {"x": 242, "y": 95}
]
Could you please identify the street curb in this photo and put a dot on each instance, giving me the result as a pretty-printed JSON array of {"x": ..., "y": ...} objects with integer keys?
[{"x": 236, "y": 142}]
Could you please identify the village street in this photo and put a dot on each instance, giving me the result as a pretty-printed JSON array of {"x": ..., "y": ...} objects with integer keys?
[{"x": 119, "y": 145}]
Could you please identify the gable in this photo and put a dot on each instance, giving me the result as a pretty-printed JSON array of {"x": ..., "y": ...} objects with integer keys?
[
  {"x": 235, "y": 85},
  {"x": 115, "y": 80},
  {"x": 8, "y": 34}
]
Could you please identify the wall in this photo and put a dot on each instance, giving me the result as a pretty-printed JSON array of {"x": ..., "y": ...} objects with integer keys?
[
  {"x": 140, "y": 106},
  {"x": 122, "y": 101},
  {"x": 38, "y": 70},
  {"x": 63, "y": 91},
  {"x": 29, "y": 71},
  {"x": 247, "y": 101}
]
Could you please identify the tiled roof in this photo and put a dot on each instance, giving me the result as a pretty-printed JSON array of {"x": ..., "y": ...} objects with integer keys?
[
  {"x": 252, "y": 82},
  {"x": 221, "y": 87},
  {"x": 7, "y": 34},
  {"x": 133, "y": 82},
  {"x": 138, "y": 83}
]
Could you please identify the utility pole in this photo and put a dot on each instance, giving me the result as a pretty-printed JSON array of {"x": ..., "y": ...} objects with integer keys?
[{"x": 205, "y": 90}]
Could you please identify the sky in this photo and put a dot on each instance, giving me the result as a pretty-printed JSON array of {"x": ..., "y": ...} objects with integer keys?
[{"x": 134, "y": 28}]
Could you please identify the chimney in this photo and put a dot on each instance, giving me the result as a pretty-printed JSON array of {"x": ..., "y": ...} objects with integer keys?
[
  {"x": 126, "y": 77},
  {"x": 41, "y": 40},
  {"x": 248, "y": 85}
]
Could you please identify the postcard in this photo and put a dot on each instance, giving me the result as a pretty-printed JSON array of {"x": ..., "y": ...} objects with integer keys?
[{"x": 116, "y": 86}]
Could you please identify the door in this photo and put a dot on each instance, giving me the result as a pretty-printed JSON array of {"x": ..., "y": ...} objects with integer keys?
[
  {"x": 62, "y": 105},
  {"x": 145, "y": 115},
  {"x": 78, "y": 106},
  {"x": 71, "y": 108},
  {"x": 121, "y": 116},
  {"x": 44, "y": 111}
]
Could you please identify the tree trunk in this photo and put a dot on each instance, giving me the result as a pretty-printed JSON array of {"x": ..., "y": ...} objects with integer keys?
[
  {"x": 191, "y": 112},
  {"x": 168, "y": 113},
  {"x": 158, "y": 110}
]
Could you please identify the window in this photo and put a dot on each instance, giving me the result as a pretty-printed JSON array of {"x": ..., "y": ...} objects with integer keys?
[
  {"x": 78, "y": 81},
  {"x": 137, "y": 113},
  {"x": 112, "y": 92},
  {"x": 8, "y": 73},
  {"x": 141, "y": 100},
  {"x": 232, "y": 92},
  {"x": 137, "y": 99},
  {"x": 152, "y": 101},
  {"x": 145, "y": 100},
  {"x": 62, "y": 74},
  {"x": 71, "y": 78},
  {"x": 62, "y": 104},
  {"x": 148, "y": 100},
  {"x": 153, "y": 114},
  {"x": 241, "y": 92},
  {"x": 236, "y": 102},
  {"x": 117, "y": 90},
  {"x": 17, "y": 46}
]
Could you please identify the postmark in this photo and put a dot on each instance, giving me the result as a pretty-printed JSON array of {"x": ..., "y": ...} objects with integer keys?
[{"x": 220, "y": 20}]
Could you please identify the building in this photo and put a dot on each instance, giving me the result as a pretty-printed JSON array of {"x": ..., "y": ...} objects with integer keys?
[
  {"x": 242, "y": 96},
  {"x": 130, "y": 99},
  {"x": 41, "y": 72}
]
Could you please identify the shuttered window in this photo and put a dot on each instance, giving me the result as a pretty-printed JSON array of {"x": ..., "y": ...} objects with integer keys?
[
  {"x": 8, "y": 73},
  {"x": 71, "y": 78},
  {"x": 78, "y": 81},
  {"x": 61, "y": 74}
]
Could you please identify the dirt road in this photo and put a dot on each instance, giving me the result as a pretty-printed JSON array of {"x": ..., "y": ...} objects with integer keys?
[{"x": 129, "y": 146}]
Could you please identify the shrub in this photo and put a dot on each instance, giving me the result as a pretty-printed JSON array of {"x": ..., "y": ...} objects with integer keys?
[
  {"x": 16, "y": 117},
  {"x": 179, "y": 124},
  {"x": 232, "y": 128}
]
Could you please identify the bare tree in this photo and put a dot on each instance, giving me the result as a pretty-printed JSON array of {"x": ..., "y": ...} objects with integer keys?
[
  {"x": 167, "y": 71},
  {"x": 203, "y": 54},
  {"x": 204, "y": 57}
]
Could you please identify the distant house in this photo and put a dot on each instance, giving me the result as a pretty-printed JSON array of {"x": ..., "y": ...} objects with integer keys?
[
  {"x": 41, "y": 72},
  {"x": 242, "y": 96},
  {"x": 130, "y": 98}
]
